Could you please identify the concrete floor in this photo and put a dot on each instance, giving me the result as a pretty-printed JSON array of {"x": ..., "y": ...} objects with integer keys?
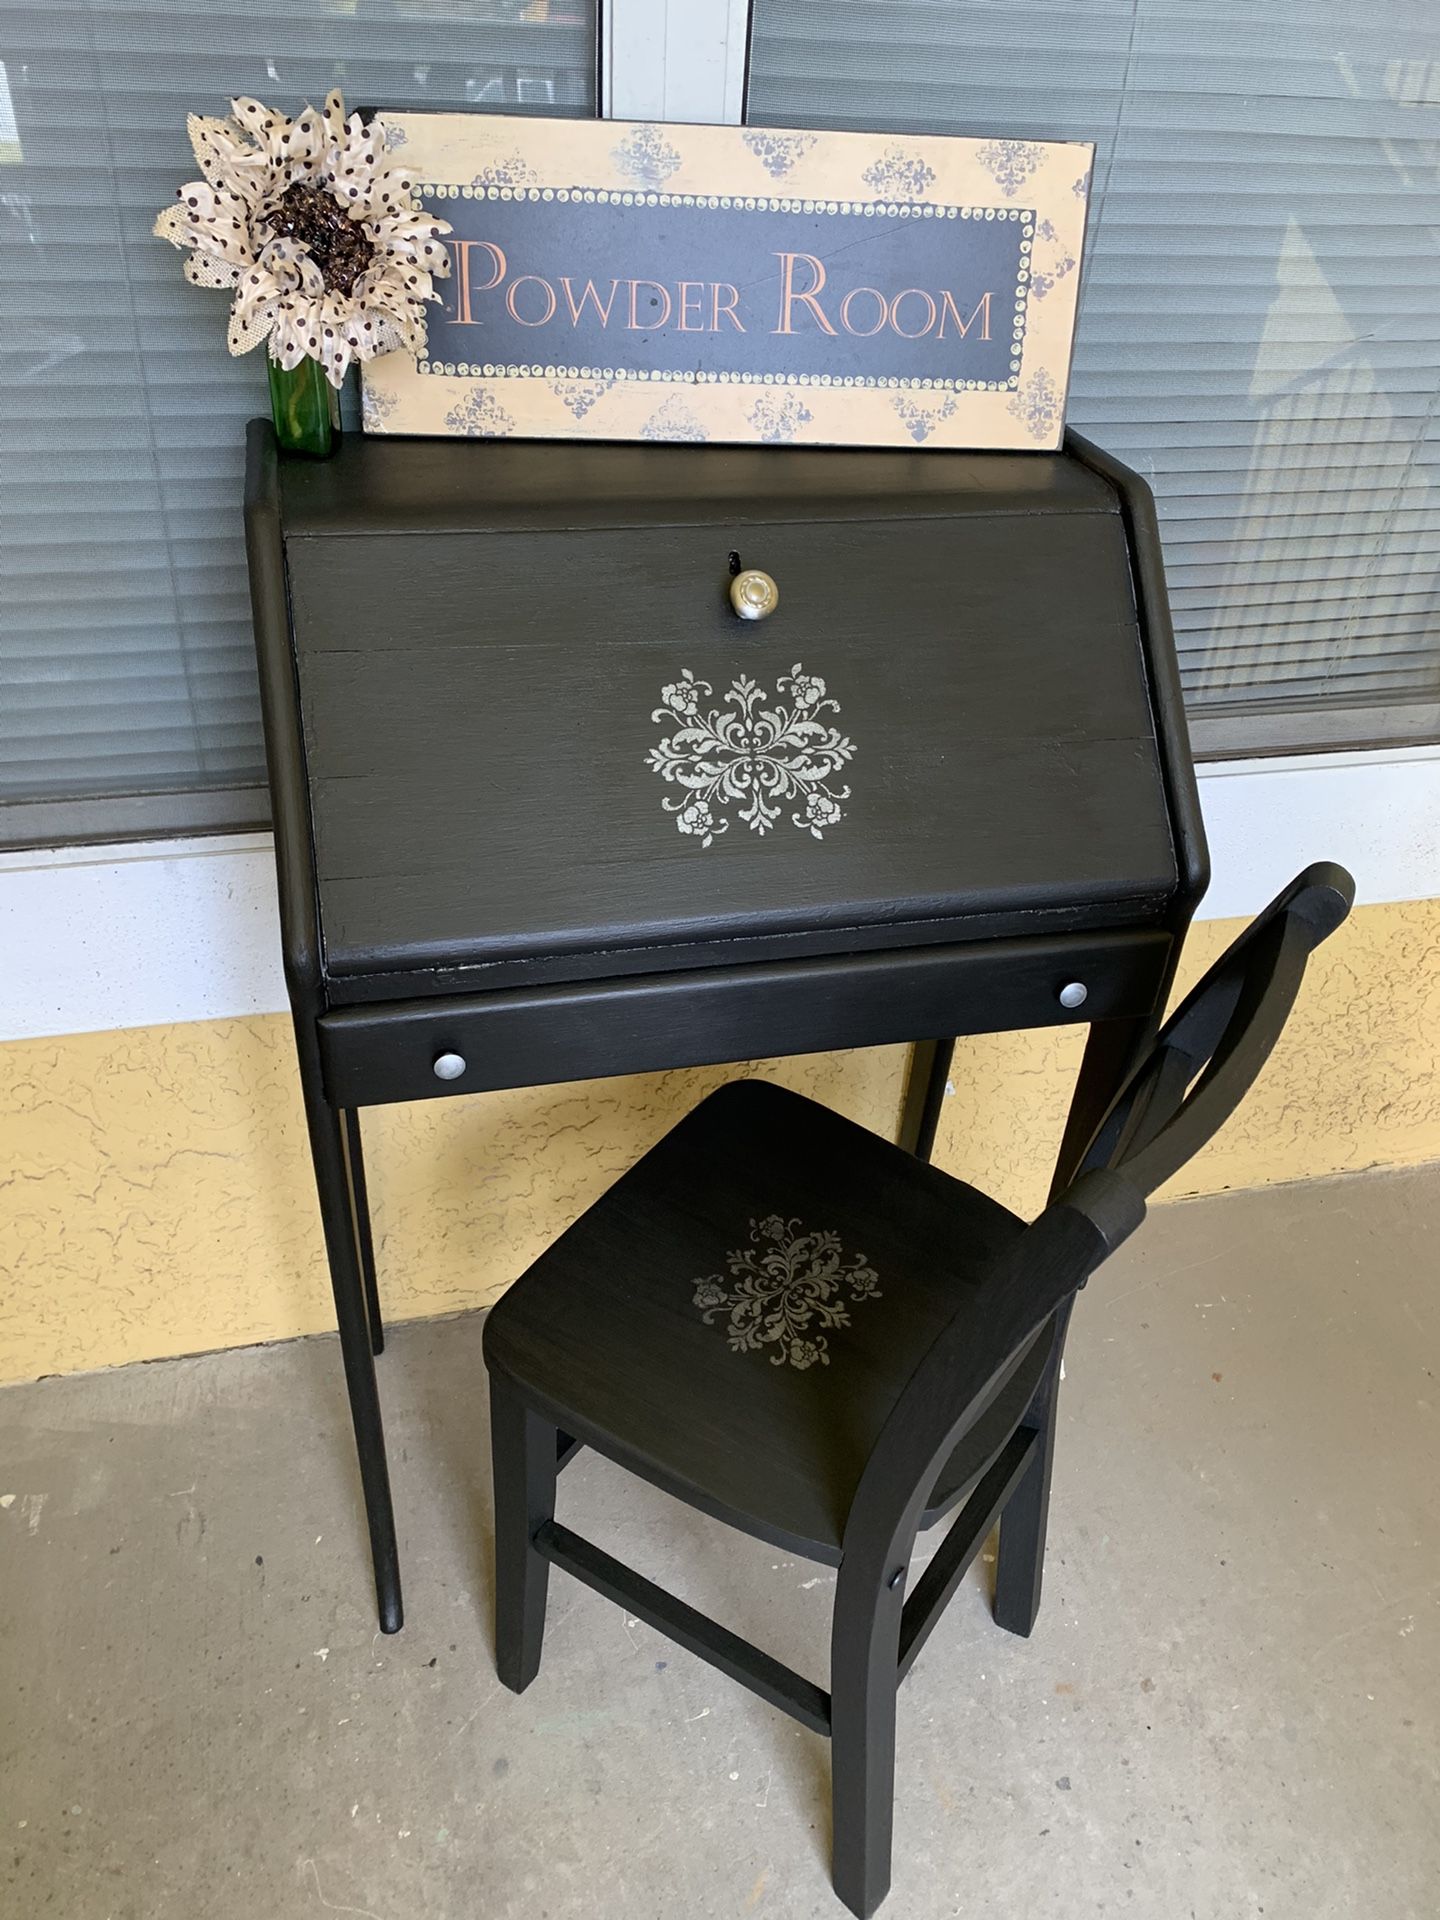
[{"x": 1230, "y": 1707}]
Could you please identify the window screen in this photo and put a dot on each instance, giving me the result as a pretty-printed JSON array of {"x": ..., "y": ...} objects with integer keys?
[
  {"x": 128, "y": 701},
  {"x": 1260, "y": 320}
]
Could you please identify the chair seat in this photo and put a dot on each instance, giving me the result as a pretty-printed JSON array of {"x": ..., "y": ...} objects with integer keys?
[{"x": 735, "y": 1319}]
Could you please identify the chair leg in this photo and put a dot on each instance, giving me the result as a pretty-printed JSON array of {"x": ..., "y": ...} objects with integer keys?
[
  {"x": 1020, "y": 1560},
  {"x": 523, "y": 1461},
  {"x": 864, "y": 1656},
  {"x": 364, "y": 1241}
]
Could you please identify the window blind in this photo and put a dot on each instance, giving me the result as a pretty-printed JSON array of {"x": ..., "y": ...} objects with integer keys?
[
  {"x": 1260, "y": 320},
  {"x": 129, "y": 699}
]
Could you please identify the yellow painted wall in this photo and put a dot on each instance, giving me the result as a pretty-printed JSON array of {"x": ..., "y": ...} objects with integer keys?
[{"x": 155, "y": 1191}]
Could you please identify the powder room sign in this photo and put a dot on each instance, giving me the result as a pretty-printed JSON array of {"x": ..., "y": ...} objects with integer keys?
[{"x": 634, "y": 282}]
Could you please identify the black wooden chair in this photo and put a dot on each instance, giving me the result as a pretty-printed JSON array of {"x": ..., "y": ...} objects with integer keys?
[{"x": 799, "y": 1328}]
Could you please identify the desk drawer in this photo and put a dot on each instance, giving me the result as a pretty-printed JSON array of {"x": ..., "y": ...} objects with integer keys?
[{"x": 537, "y": 1036}]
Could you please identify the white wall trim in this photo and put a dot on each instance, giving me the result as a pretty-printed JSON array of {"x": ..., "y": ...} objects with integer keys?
[
  {"x": 1377, "y": 813},
  {"x": 95, "y": 938}
]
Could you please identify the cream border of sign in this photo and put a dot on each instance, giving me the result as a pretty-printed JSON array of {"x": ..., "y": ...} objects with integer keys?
[{"x": 456, "y": 156}]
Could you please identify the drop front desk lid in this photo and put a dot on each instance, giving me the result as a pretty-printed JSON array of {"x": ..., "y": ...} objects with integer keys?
[{"x": 534, "y": 730}]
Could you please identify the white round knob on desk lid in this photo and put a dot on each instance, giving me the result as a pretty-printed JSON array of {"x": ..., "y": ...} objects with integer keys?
[
  {"x": 449, "y": 1066},
  {"x": 1074, "y": 995},
  {"x": 753, "y": 594}
]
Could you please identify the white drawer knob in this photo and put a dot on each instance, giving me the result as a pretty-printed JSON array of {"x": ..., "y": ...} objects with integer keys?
[
  {"x": 754, "y": 595},
  {"x": 449, "y": 1066},
  {"x": 1073, "y": 995}
]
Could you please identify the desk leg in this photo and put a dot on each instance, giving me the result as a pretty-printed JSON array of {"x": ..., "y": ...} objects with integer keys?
[
  {"x": 360, "y": 1211},
  {"x": 342, "y": 1247},
  {"x": 924, "y": 1095},
  {"x": 1020, "y": 1561}
]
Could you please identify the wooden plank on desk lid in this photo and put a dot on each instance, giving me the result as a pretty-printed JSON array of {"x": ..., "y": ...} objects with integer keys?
[
  {"x": 384, "y": 485},
  {"x": 479, "y": 730}
]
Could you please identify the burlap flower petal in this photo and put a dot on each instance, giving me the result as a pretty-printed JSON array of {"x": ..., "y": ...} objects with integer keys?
[
  {"x": 173, "y": 225},
  {"x": 410, "y": 325},
  {"x": 388, "y": 338},
  {"x": 204, "y": 270},
  {"x": 243, "y": 335},
  {"x": 227, "y": 160}
]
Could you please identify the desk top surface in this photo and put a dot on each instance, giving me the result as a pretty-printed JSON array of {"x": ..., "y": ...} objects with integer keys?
[
  {"x": 375, "y": 484},
  {"x": 538, "y": 743}
]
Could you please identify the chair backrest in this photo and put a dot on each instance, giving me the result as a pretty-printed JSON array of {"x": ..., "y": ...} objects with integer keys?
[
  {"x": 1208, "y": 1053},
  {"x": 1200, "y": 1066}
]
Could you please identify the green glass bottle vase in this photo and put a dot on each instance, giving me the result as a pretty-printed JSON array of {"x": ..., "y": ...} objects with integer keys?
[{"x": 305, "y": 408}]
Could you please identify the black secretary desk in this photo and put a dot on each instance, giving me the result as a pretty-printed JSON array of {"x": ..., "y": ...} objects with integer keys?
[{"x": 596, "y": 759}]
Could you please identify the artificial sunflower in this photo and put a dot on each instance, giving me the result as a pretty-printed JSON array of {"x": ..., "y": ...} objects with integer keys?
[{"x": 330, "y": 255}]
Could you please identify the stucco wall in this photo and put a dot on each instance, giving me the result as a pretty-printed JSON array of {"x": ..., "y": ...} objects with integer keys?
[{"x": 155, "y": 1192}]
